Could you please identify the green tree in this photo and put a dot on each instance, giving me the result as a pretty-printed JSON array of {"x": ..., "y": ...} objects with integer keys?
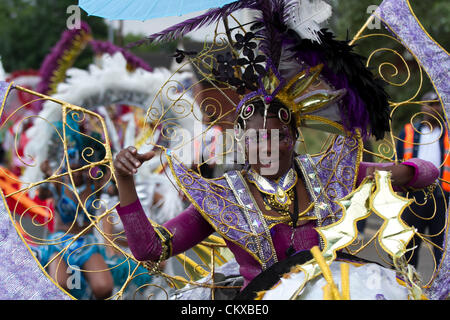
[
  {"x": 350, "y": 16},
  {"x": 434, "y": 15},
  {"x": 30, "y": 28}
]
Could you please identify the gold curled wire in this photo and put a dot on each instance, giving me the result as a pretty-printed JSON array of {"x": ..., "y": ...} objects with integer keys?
[
  {"x": 81, "y": 115},
  {"x": 395, "y": 106}
]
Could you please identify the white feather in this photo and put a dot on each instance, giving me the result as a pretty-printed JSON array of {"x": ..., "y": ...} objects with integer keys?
[
  {"x": 111, "y": 75},
  {"x": 305, "y": 17},
  {"x": 130, "y": 132},
  {"x": 114, "y": 136}
]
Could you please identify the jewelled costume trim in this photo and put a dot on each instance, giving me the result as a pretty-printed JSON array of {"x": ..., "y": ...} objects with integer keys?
[
  {"x": 227, "y": 204},
  {"x": 331, "y": 175},
  {"x": 215, "y": 200}
]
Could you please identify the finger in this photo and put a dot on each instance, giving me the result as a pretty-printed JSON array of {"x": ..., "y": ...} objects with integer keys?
[
  {"x": 145, "y": 156},
  {"x": 133, "y": 159},
  {"x": 127, "y": 164},
  {"x": 121, "y": 170}
]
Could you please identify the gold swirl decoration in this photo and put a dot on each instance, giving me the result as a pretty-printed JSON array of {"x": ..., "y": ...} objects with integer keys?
[
  {"x": 407, "y": 83},
  {"x": 36, "y": 220}
]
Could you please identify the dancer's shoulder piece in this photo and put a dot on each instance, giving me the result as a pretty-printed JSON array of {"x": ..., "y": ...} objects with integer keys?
[{"x": 227, "y": 204}]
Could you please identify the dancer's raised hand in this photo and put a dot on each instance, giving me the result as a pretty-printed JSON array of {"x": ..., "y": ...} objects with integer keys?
[{"x": 128, "y": 160}]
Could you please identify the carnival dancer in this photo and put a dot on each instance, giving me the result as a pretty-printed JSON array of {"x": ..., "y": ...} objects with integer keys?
[
  {"x": 269, "y": 212},
  {"x": 80, "y": 268},
  {"x": 94, "y": 89}
]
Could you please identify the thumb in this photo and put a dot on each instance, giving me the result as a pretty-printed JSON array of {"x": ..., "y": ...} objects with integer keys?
[
  {"x": 370, "y": 172},
  {"x": 142, "y": 157}
]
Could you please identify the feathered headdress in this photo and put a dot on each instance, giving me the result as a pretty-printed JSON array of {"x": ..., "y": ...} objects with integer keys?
[
  {"x": 64, "y": 54},
  {"x": 285, "y": 55}
]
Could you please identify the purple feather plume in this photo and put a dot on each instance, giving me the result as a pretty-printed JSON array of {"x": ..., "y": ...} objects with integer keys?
[
  {"x": 275, "y": 37},
  {"x": 52, "y": 60},
  {"x": 274, "y": 15},
  {"x": 189, "y": 25},
  {"x": 101, "y": 47}
]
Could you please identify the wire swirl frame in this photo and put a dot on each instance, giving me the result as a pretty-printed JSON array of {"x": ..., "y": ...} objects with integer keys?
[
  {"x": 164, "y": 129},
  {"x": 413, "y": 111},
  {"x": 136, "y": 282}
]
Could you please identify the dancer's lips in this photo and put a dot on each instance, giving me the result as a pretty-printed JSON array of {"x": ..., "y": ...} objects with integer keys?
[{"x": 266, "y": 163}]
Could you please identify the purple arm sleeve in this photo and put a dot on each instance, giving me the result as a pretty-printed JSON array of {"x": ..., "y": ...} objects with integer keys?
[
  {"x": 142, "y": 239},
  {"x": 188, "y": 229},
  {"x": 425, "y": 173}
]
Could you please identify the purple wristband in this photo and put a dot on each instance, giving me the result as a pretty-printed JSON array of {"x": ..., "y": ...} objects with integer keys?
[
  {"x": 416, "y": 173},
  {"x": 425, "y": 174}
]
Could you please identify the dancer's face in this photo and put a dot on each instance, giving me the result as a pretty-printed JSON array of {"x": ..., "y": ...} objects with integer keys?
[{"x": 269, "y": 150}]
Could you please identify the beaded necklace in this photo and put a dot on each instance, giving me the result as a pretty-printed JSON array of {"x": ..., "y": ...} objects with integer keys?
[{"x": 278, "y": 195}]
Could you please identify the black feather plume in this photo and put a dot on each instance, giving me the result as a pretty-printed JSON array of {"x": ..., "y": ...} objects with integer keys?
[{"x": 273, "y": 16}]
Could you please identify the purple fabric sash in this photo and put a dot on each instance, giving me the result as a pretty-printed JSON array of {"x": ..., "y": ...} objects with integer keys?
[{"x": 21, "y": 277}]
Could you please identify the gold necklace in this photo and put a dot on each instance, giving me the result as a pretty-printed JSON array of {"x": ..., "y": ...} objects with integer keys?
[
  {"x": 279, "y": 193},
  {"x": 271, "y": 203}
]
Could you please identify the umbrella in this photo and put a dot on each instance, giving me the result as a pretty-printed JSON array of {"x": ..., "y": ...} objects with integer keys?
[{"x": 146, "y": 9}]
